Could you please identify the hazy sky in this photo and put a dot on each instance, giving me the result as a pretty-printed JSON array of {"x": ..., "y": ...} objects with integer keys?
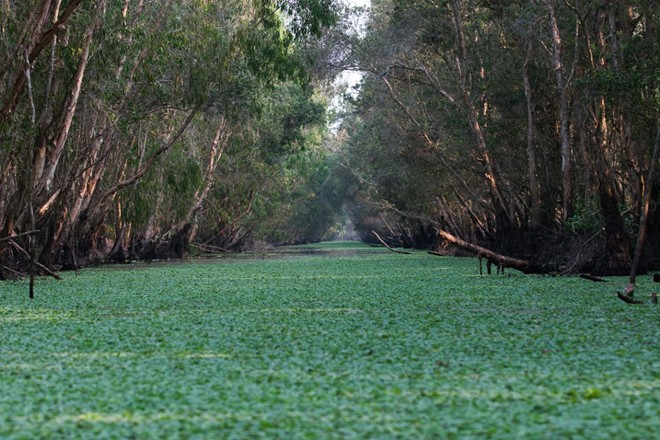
[
  {"x": 353, "y": 78},
  {"x": 359, "y": 2},
  {"x": 350, "y": 78}
]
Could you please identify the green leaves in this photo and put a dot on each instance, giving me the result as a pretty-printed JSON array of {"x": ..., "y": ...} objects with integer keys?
[
  {"x": 345, "y": 341},
  {"x": 309, "y": 17}
]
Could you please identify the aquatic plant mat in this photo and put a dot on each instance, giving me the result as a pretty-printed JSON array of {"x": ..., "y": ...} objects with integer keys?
[{"x": 361, "y": 343}]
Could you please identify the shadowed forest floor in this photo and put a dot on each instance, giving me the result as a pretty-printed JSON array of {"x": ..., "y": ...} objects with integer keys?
[{"x": 358, "y": 343}]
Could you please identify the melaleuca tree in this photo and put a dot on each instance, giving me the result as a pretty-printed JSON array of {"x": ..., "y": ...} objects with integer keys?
[
  {"x": 96, "y": 95},
  {"x": 541, "y": 116}
]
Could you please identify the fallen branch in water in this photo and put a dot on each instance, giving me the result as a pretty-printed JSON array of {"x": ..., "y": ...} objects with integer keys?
[
  {"x": 592, "y": 278},
  {"x": 388, "y": 246},
  {"x": 371, "y": 244},
  {"x": 501, "y": 260},
  {"x": 36, "y": 263},
  {"x": 210, "y": 248},
  {"x": 627, "y": 299}
]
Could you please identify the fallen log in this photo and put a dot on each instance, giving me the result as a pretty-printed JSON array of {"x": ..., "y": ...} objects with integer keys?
[
  {"x": 371, "y": 244},
  {"x": 388, "y": 246},
  {"x": 627, "y": 299},
  {"x": 210, "y": 248},
  {"x": 592, "y": 278},
  {"x": 502, "y": 261}
]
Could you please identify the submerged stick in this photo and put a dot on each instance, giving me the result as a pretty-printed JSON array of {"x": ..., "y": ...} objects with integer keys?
[
  {"x": 388, "y": 246},
  {"x": 627, "y": 299},
  {"x": 592, "y": 278}
]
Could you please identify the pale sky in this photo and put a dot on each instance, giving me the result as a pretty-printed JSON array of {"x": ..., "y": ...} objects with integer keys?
[
  {"x": 358, "y": 2},
  {"x": 350, "y": 78},
  {"x": 353, "y": 78}
]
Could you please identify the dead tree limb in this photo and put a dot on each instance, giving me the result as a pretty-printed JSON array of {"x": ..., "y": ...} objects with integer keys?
[
  {"x": 592, "y": 278},
  {"x": 22, "y": 234},
  {"x": 502, "y": 260},
  {"x": 388, "y": 246},
  {"x": 627, "y": 299},
  {"x": 26, "y": 254},
  {"x": 210, "y": 248},
  {"x": 371, "y": 244}
]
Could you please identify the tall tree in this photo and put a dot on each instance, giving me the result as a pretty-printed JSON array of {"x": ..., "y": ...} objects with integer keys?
[
  {"x": 115, "y": 117},
  {"x": 439, "y": 87}
]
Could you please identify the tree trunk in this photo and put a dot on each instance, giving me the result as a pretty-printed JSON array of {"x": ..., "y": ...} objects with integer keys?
[
  {"x": 70, "y": 110},
  {"x": 502, "y": 260},
  {"x": 535, "y": 192},
  {"x": 45, "y": 39},
  {"x": 215, "y": 154},
  {"x": 473, "y": 119},
  {"x": 617, "y": 247},
  {"x": 564, "y": 124},
  {"x": 646, "y": 201}
]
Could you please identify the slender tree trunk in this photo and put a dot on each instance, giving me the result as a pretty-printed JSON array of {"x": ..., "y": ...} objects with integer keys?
[
  {"x": 45, "y": 39},
  {"x": 644, "y": 214},
  {"x": 617, "y": 244},
  {"x": 215, "y": 154},
  {"x": 473, "y": 118},
  {"x": 534, "y": 188},
  {"x": 217, "y": 149},
  {"x": 564, "y": 124},
  {"x": 55, "y": 153}
]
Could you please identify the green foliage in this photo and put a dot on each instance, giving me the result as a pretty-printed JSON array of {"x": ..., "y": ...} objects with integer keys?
[
  {"x": 587, "y": 218},
  {"x": 290, "y": 114},
  {"x": 235, "y": 66},
  {"x": 367, "y": 344},
  {"x": 307, "y": 18}
]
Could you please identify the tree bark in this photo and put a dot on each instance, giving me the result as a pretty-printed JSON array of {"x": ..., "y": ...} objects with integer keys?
[
  {"x": 646, "y": 201},
  {"x": 564, "y": 127},
  {"x": 20, "y": 83},
  {"x": 70, "y": 110},
  {"x": 617, "y": 254},
  {"x": 534, "y": 188},
  {"x": 502, "y": 260},
  {"x": 473, "y": 119},
  {"x": 389, "y": 248},
  {"x": 215, "y": 154}
]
